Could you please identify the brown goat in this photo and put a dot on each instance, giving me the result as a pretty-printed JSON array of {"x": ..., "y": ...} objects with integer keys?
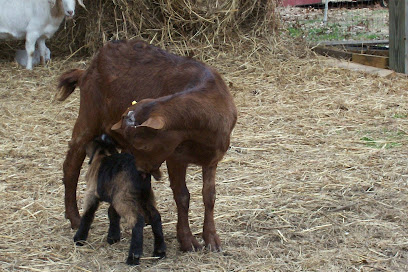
[{"x": 186, "y": 116}]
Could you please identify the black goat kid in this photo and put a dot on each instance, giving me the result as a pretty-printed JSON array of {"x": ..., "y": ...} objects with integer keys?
[{"x": 113, "y": 178}]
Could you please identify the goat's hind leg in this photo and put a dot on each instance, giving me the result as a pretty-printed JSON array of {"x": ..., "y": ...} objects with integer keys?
[
  {"x": 43, "y": 51},
  {"x": 157, "y": 228},
  {"x": 86, "y": 221},
  {"x": 114, "y": 226},
  {"x": 210, "y": 236},
  {"x": 136, "y": 244},
  {"x": 126, "y": 209},
  {"x": 81, "y": 135}
]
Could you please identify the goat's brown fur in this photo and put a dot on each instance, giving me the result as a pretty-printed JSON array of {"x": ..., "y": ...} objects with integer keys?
[{"x": 57, "y": 10}]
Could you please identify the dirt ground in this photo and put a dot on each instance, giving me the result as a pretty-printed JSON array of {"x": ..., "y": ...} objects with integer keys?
[{"x": 315, "y": 179}]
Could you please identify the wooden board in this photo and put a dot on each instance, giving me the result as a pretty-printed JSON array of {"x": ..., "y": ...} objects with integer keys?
[
  {"x": 329, "y": 51},
  {"x": 378, "y": 61},
  {"x": 367, "y": 42},
  {"x": 312, "y": 2},
  {"x": 371, "y": 60},
  {"x": 300, "y": 2}
]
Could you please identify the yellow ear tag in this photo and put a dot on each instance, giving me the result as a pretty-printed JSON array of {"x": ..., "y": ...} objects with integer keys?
[{"x": 133, "y": 103}]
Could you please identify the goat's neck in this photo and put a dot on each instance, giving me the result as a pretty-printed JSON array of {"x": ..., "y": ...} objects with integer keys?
[
  {"x": 195, "y": 117},
  {"x": 57, "y": 10}
]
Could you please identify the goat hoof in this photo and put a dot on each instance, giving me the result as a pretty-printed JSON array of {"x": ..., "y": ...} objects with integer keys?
[
  {"x": 160, "y": 254},
  {"x": 212, "y": 242},
  {"x": 213, "y": 248},
  {"x": 133, "y": 260},
  {"x": 113, "y": 240},
  {"x": 75, "y": 221},
  {"x": 190, "y": 245},
  {"x": 79, "y": 242}
]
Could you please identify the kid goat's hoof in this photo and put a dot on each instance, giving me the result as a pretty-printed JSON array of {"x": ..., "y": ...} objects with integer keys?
[
  {"x": 159, "y": 254},
  {"x": 79, "y": 241},
  {"x": 133, "y": 260},
  {"x": 112, "y": 240}
]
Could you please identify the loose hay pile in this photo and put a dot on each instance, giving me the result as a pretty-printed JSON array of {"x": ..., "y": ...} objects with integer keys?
[
  {"x": 189, "y": 27},
  {"x": 182, "y": 23}
]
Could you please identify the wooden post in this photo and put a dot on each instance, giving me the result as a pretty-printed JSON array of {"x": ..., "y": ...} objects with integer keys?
[
  {"x": 326, "y": 8},
  {"x": 398, "y": 51}
]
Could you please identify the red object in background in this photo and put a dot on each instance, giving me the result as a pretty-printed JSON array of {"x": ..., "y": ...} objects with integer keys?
[{"x": 300, "y": 2}]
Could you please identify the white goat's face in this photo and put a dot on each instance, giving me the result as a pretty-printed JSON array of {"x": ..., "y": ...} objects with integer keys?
[{"x": 69, "y": 8}]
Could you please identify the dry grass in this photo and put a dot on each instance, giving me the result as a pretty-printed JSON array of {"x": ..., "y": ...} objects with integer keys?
[
  {"x": 182, "y": 23},
  {"x": 315, "y": 180},
  {"x": 188, "y": 27}
]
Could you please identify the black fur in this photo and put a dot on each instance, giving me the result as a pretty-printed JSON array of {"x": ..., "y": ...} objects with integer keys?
[
  {"x": 118, "y": 163},
  {"x": 111, "y": 165}
]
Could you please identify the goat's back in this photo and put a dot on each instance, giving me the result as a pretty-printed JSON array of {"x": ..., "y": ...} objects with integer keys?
[
  {"x": 148, "y": 71},
  {"x": 118, "y": 173},
  {"x": 124, "y": 71}
]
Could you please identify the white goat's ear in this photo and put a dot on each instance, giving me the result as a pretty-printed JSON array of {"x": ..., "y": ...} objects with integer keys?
[
  {"x": 155, "y": 122},
  {"x": 81, "y": 4}
]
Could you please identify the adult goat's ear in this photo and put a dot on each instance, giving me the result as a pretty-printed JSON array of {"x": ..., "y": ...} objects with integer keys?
[
  {"x": 155, "y": 122},
  {"x": 81, "y": 3},
  {"x": 117, "y": 126}
]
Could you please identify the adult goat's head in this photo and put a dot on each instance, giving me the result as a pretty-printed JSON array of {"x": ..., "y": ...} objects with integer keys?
[{"x": 69, "y": 6}]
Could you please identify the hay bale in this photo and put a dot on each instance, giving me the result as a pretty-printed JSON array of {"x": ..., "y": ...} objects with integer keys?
[{"x": 181, "y": 23}]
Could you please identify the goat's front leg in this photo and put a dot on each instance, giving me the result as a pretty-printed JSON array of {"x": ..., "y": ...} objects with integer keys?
[
  {"x": 30, "y": 48},
  {"x": 136, "y": 244},
  {"x": 177, "y": 176},
  {"x": 114, "y": 226},
  {"x": 86, "y": 221},
  {"x": 211, "y": 239}
]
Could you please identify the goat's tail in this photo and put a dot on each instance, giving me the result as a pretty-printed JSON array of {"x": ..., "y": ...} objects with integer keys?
[{"x": 67, "y": 83}]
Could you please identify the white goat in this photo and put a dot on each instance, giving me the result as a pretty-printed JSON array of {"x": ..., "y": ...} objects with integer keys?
[{"x": 34, "y": 21}]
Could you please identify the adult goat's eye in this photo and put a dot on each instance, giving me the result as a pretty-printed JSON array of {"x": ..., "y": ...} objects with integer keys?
[{"x": 130, "y": 119}]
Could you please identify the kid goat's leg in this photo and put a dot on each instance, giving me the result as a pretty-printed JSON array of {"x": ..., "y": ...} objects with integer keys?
[
  {"x": 114, "y": 226},
  {"x": 86, "y": 221},
  {"x": 136, "y": 244}
]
